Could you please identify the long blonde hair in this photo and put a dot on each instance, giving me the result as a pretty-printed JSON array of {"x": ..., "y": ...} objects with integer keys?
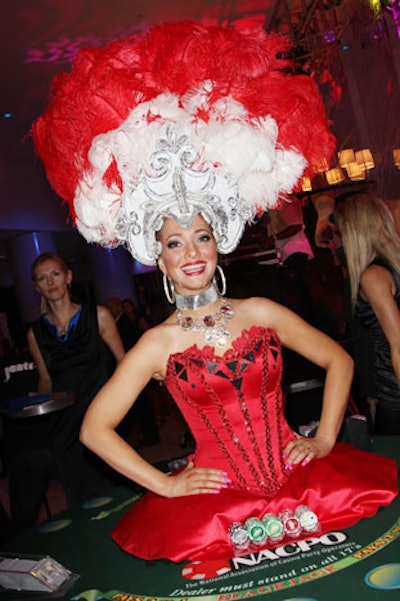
[{"x": 368, "y": 232}]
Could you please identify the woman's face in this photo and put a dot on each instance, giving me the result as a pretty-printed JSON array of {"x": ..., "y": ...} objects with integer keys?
[
  {"x": 189, "y": 255},
  {"x": 51, "y": 280}
]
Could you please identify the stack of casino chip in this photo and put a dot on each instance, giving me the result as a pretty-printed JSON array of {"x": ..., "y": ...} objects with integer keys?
[
  {"x": 239, "y": 536},
  {"x": 302, "y": 519},
  {"x": 272, "y": 529},
  {"x": 256, "y": 531},
  {"x": 291, "y": 523},
  {"x": 308, "y": 518}
]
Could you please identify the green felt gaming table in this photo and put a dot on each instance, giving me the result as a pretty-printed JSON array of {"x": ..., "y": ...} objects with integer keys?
[{"x": 359, "y": 563}]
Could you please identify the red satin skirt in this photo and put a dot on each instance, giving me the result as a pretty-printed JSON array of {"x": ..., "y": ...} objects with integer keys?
[{"x": 341, "y": 489}]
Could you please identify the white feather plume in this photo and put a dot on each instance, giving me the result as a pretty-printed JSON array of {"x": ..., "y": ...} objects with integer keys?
[{"x": 244, "y": 149}]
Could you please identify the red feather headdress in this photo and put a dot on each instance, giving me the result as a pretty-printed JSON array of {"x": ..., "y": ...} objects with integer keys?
[{"x": 184, "y": 119}]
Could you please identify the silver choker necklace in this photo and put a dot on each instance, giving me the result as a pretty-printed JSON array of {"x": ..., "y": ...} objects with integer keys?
[
  {"x": 211, "y": 325},
  {"x": 191, "y": 302}
]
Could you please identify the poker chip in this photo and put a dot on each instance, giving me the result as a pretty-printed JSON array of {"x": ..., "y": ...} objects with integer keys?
[
  {"x": 308, "y": 519},
  {"x": 203, "y": 570},
  {"x": 256, "y": 530},
  {"x": 291, "y": 523},
  {"x": 239, "y": 536},
  {"x": 274, "y": 527}
]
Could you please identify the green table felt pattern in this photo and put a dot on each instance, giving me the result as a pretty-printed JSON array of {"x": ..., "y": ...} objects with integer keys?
[{"x": 359, "y": 563}]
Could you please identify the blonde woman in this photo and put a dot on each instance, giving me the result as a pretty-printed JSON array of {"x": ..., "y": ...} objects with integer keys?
[
  {"x": 68, "y": 344},
  {"x": 372, "y": 248}
]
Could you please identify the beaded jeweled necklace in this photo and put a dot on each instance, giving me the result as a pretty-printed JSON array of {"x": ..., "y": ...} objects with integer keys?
[{"x": 211, "y": 325}]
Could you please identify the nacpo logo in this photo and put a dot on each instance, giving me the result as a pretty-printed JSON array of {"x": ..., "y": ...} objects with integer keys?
[{"x": 288, "y": 550}]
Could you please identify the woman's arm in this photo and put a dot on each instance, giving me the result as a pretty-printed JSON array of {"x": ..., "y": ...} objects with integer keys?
[
  {"x": 109, "y": 332},
  {"x": 318, "y": 348},
  {"x": 378, "y": 288},
  {"x": 44, "y": 384},
  {"x": 144, "y": 361}
]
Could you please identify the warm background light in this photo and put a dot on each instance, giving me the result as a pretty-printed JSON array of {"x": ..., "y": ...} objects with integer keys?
[
  {"x": 346, "y": 157},
  {"x": 396, "y": 157},
  {"x": 355, "y": 171},
  {"x": 306, "y": 184},
  {"x": 364, "y": 157},
  {"x": 334, "y": 176}
]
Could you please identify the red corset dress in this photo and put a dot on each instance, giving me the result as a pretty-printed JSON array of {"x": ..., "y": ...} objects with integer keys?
[{"x": 233, "y": 405}]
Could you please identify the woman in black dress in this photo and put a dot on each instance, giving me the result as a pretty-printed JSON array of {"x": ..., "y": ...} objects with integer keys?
[
  {"x": 69, "y": 344},
  {"x": 372, "y": 248}
]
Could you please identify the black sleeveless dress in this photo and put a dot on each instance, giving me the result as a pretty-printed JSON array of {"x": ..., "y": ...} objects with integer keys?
[
  {"x": 78, "y": 364},
  {"x": 385, "y": 386}
]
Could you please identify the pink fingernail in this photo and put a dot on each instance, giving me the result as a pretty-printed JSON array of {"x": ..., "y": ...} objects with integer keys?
[
  {"x": 215, "y": 491},
  {"x": 304, "y": 462},
  {"x": 289, "y": 467}
]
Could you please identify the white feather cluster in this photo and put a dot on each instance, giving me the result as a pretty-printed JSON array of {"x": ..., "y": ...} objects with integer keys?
[{"x": 244, "y": 149}]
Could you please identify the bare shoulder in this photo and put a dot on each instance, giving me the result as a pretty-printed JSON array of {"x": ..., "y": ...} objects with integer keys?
[
  {"x": 376, "y": 278},
  {"x": 158, "y": 340},
  {"x": 258, "y": 310},
  {"x": 252, "y": 302},
  {"x": 376, "y": 272},
  {"x": 102, "y": 312},
  {"x": 156, "y": 334}
]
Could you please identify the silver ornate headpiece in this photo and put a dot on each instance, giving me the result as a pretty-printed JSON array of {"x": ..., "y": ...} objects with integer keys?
[
  {"x": 177, "y": 187},
  {"x": 173, "y": 164}
]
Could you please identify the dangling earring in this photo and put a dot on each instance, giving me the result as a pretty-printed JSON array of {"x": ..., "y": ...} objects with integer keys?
[
  {"x": 169, "y": 289},
  {"x": 223, "y": 281}
]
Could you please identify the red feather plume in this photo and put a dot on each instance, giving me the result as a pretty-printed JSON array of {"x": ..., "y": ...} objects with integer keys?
[{"x": 105, "y": 84}]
